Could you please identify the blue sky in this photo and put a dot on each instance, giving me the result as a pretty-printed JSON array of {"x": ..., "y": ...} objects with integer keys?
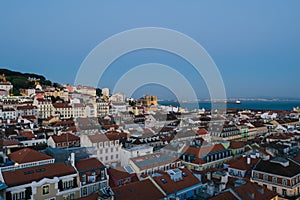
[{"x": 255, "y": 44}]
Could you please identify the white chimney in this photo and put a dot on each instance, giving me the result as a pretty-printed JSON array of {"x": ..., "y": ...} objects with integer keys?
[
  {"x": 72, "y": 159},
  {"x": 257, "y": 154},
  {"x": 208, "y": 176},
  {"x": 248, "y": 160}
]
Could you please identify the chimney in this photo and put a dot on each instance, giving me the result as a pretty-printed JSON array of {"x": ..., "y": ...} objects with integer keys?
[
  {"x": 72, "y": 159},
  {"x": 208, "y": 176},
  {"x": 248, "y": 160}
]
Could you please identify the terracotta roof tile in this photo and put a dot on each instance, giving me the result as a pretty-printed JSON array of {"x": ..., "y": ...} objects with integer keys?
[
  {"x": 27, "y": 155},
  {"x": 236, "y": 145},
  {"x": 145, "y": 190},
  {"x": 87, "y": 164},
  {"x": 225, "y": 196},
  {"x": 171, "y": 186},
  {"x": 65, "y": 137},
  {"x": 28, "y": 175}
]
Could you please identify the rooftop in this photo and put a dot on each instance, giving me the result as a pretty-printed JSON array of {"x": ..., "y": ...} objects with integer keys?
[
  {"x": 170, "y": 186},
  {"x": 151, "y": 160},
  {"x": 276, "y": 168},
  {"x": 28, "y": 175},
  {"x": 145, "y": 190},
  {"x": 27, "y": 155},
  {"x": 88, "y": 164}
]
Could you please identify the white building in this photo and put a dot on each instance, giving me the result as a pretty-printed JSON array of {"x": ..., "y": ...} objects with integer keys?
[
  {"x": 118, "y": 97},
  {"x": 102, "y": 107},
  {"x": 133, "y": 152},
  {"x": 8, "y": 113},
  {"x": 27, "y": 110},
  {"x": 117, "y": 107},
  {"x": 44, "y": 107},
  {"x": 91, "y": 110},
  {"x": 6, "y": 86},
  {"x": 107, "y": 151},
  {"x": 79, "y": 110},
  {"x": 85, "y": 90},
  {"x": 105, "y": 92}
]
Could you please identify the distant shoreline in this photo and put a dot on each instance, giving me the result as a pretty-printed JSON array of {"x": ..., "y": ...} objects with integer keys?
[{"x": 245, "y": 104}]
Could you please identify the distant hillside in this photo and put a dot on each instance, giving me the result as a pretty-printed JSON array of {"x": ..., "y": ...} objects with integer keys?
[{"x": 20, "y": 80}]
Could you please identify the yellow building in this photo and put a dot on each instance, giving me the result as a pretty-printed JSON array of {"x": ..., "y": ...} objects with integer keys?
[{"x": 148, "y": 101}]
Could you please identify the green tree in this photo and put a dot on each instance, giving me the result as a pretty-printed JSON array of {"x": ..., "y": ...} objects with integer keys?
[
  {"x": 98, "y": 92},
  {"x": 132, "y": 103},
  {"x": 15, "y": 92}
]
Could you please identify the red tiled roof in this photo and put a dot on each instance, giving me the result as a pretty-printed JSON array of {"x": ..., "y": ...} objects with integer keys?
[
  {"x": 90, "y": 197},
  {"x": 98, "y": 138},
  {"x": 65, "y": 137},
  {"x": 27, "y": 134},
  {"x": 28, "y": 175},
  {"x": 145, "y": 190},
  {"x": 26, "y": 107},
  {"x": 202, "y": 131},
  {"x": 199, "y": 152},
  {"x": 62, "y": 105},
  {"x": 6, "y": 142},
  {"x": 171, "y": 186},
  {"x": 225, "y": 196},
  {"x": 236, "y": 145},
  {"x": 211, "y": 148},
  {"x": 87, "y": 164},
  {"x": 240, "y": 163},
  {"x": 27, "y": 155},
  {"x": 118, "y": 174},
  {"x": 258, "y": 192}
]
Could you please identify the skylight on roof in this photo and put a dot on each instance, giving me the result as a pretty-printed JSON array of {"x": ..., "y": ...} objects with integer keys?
[{"x": 164, "y": 181}]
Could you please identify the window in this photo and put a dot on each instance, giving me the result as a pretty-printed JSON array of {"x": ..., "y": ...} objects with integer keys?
[
  {"x": 69, "y": 197},
  {"x": 46, "y": 189},
  {"x": 255, "y": 174},
  {"x": 84, "y": 191},
  {"x": 284, "y": 182},
  {"x": 83, "y": 178},
  {"x": 68, "y": 184},
  {"x": 274, "y": 179},
  {"x": 18, "y": 196},
  {"x": 102, "y": 175},
  {"x": 274, "y": 189},
  {"x": 92, "y": 179},
  {"x": 265, "y": 177},
  {"x": 120, "y": 182},
  {"x": 284, "y": 192}
]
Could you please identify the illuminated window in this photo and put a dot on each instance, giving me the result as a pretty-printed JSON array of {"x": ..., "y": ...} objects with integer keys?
[{"x": 46, "y": 189}]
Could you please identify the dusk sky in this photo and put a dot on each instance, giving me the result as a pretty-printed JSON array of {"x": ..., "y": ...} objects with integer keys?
[{"x": 255, "y": 44}]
